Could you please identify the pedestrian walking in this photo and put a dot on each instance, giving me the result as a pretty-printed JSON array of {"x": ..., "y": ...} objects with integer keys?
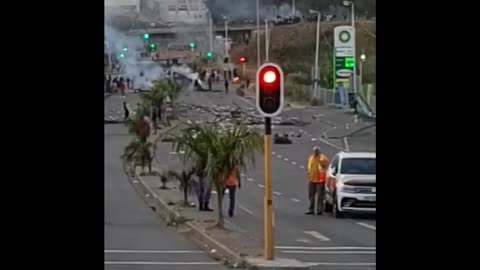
[
  {"x": 248, "y": 83},
  {"x": 317, "y": 164},
  {"x": 226, "y": 87},
  {"x": 121, "y": 86},
  {"x": 210, "y": 83},
  {"x": 231, "y": 183},
  {"x": 128, "y": 83},
  {"x": 155, "y": 119},
  {"x": 203, "y": 190},
  {"x": 126, "y": 111}
]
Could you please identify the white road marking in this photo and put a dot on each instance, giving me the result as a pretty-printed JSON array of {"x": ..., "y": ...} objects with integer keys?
[
  {"x": 245, "y": 209},
  {"x": 345, "y": 142},
  {"x": 317, "y": 235},
  {"x": 294, "y": 200},
  {"x": 371, "y": 227},
  {"x": 250, "y": 179},
  {"x": 325, "y": 248},
  {"x": 273, "y": 153},
  {"x": 286, "y": 159},
  {"x": 302, "y": 167},
  {"x": 260, "y": 185},
  {"x": 339, "y": 264},
  {"x": 160, "y": 263},
  {"x": 214, "y": 192},
  {"x": 294, "y": 163},
  {"x": 326, "y": 252},
  {"x": 242, "y": 174},
  {"x": 303, "y": 240},
  {"x": 277, "y": 193},
  {"x": 152, "y": 251},
  {"x": 279, "y": 156}
]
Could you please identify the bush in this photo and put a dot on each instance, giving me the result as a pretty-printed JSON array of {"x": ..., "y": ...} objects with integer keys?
[{"x": 294, "y": 86}]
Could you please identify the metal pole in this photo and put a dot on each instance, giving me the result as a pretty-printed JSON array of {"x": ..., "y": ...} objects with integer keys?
[
  {"x": 293, "y": 7},
  {"x": 258, "y": 35},
  {"x": 317, "y": 48},
  {"x": 226, "y": 37},
  {"x": 267, "y": 203},
  {"x": 361, "y": 75},
  {"x": 211, "y": 32},
  {"x": 355, "y": 92},
  {"x": 266, "y": 40}
]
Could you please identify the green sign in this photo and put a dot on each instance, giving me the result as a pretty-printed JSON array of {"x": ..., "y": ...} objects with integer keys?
[{"x": 349, "y": 62}]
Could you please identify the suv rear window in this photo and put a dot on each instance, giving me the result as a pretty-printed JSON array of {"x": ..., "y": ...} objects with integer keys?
[{"x": 359, "y": 166}]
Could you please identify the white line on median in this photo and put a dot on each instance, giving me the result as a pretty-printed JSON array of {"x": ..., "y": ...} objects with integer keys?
[
  {"x": 345, "y": 142},
  {"x": 279, "y": 156},
  {"x": 277, "y": 193},
  {"x": 294, "y": 200},
  {"x": 161, "y": 263},
  {"x": 273, "y": 153},
  {"x": 250, "y": 179},
  {"x": 371, "y": 227},
  {"x": 286, "y": 159},
  {"x": 302, "y": 167},
  {"x": 294, "y": 163},
  {"x": 326, "y": 252},
  {"x": 317, "y": 235},
  {"x": 325, "y": 248},
  {"x": 246, "y": 209},
  {"x": 152, "y": 251},
  {"x": 260, "y": 185}
]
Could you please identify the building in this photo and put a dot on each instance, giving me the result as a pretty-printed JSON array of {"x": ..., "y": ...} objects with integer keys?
[
  {"x": 122, "y": 5},
  {"x": 184, "y": 11}
]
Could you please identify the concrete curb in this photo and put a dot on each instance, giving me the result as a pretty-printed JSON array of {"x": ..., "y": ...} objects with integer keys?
[{"x": 167, "y": 212}]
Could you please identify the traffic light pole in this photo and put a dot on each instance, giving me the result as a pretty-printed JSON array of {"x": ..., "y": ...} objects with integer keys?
[{"x": 267, "y": 203}]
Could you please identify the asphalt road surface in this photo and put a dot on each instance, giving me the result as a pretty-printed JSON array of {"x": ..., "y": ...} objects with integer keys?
[
  {"x": 135, "y": 238},
  {"x": 322, "y": 241}
]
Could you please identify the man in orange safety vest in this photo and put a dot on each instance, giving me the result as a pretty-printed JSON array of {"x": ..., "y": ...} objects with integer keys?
[{"x": 317, "y": 164}]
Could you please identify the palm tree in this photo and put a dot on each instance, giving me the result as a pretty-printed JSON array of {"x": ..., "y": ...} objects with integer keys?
[
  {"x": 161, "y": 89},
  {"x": 217, "y": 151},
  {"x": 139, "y": 152},
  {"x": 186, "y": 185},
  {"x": 138, "y": 126}
]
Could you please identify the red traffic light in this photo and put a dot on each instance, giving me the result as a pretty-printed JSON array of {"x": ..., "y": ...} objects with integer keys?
[
  {"x": 243, "y": 59},
  {"x": 270, "y": 90}
]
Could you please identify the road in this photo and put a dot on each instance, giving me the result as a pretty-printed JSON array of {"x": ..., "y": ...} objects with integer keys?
[
  {"x": 135, "y": 238},
  {"x": 323, "y": 241}
]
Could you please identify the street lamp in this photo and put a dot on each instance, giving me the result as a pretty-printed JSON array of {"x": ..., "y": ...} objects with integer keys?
[
  {"x": 350, "y": 3},
  {"x": 267, "y": 40},
  {"x": 226, "y": 35},
  {"x": 317, "y": 77},
  {"x": 258, "y": 35}
]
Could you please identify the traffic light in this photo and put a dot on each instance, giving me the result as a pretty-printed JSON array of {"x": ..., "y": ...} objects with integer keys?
[
  {"x": 125, "y": 49},
  {"x": 209, "y": 55},
  {"x": 270, "y": 93},
  {"x": 122, "y": 55},
  {"x": 192, "y": 45},
  {"x": 152, "y": 47},
  {"x": 243, "y": 59},
  {"x": 146, "y": 36}
]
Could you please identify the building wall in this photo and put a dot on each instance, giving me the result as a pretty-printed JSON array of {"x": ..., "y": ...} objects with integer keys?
[
  {"x": 120, "y": 4},
  {"x": 184, "y": 11}
]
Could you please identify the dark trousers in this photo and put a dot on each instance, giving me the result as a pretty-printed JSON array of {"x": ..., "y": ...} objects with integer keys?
[
  {"x": 231, "y": 193},
  {"x": 313, "y": 190},
  {"x": 203, "y": 191}
]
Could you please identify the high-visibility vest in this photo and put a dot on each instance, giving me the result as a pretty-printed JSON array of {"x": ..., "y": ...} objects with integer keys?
[
  {"x": 317, "y": 175},
  {"x": 232, "y": 178}
]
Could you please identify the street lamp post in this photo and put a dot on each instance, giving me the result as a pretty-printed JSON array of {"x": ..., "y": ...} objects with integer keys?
[
  {"x": 317, "y": 48},
  {"x": 267, "y": 40},
  {"x": 350, "y": 3},
  {"x": 363, "y": 58},
  {"x": 226, "y": 35}
]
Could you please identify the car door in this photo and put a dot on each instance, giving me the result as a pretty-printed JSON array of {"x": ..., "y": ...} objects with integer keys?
[{"x": 331, "y": 178}]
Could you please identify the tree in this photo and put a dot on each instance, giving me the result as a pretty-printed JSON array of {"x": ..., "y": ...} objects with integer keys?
[
  {"x": 217, "y": 151},
  {"x": 186, "y": 185},
  {"x": 160, "y": 90},
  {"x": 139, "y": 152}
]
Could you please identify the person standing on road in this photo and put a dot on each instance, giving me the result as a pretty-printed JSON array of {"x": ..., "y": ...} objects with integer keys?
[
  {"x": 121, "y": 85},
  {"x": 231, "y": 183},
  {"x": 126, "y": 111},
  {"x": 226, "y": 86},
  {"x": 203, "y": 191},
  {"x": 317, "y": 164}
]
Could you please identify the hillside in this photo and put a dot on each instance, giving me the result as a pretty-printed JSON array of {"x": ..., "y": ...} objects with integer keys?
[{"x": 293, "y": 47}]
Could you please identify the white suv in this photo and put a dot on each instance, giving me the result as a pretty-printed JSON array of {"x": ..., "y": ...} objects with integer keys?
[{"x": 351, "y": 183}]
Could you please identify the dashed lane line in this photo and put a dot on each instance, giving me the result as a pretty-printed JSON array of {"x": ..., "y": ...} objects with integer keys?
[
  {"x": 371, "y": 227},
  {"x": 302, "y": 167},
  {"x": 246, "y": 209},
  {"x": 279, "y": 156},
  {"x": 294, "y": 200},
  {"x": 260, "y": 186},
  {"x": 317, "y": 235},
  {"x": 294, "y": 163},
  {"x": 286, "y": 159},
  {"x": 277, "y": 193},
  {"x": 250, "y": 179}
]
